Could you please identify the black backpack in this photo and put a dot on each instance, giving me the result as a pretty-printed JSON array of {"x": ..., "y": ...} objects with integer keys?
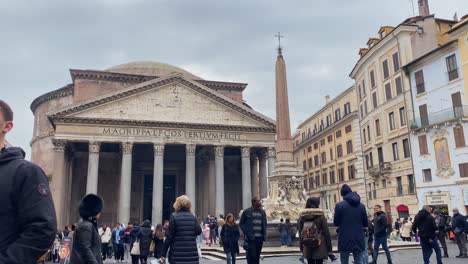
[{"x": 311, "y": 235}]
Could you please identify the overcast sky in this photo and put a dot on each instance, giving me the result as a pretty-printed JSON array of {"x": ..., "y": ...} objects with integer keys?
[{"x": 216, "y": 40}]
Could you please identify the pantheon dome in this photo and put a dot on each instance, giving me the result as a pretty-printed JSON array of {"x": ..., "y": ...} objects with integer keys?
[{"x": 150, "y": 68}]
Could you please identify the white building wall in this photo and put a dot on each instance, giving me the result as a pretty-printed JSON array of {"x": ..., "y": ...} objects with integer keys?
[{"x": 449, "y": 190}]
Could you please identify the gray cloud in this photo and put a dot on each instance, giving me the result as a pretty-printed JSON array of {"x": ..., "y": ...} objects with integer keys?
[{"x": 220, "y": 40}]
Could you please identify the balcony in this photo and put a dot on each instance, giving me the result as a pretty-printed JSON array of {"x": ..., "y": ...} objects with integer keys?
[
  {"x": 380, "y": 169},
  {"x": 440, "y": 117}
]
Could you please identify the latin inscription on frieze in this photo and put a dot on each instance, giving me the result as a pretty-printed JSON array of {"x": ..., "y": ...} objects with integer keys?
[{"x": 170, "y": 133}]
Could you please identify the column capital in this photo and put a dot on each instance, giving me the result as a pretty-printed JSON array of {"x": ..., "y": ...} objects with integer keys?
[
  {"x": 263, "y": 154},
  {"x": 245, "y": 152},
  {"x": 271, "y": 152},
  {"x": 158, "y": 149},
  {"x": 219, "y": 151},
  {"x": 127, "y": 147},
  {"x": 59, "y": 144},
  {"x": 94, "y": 146},
  {"x": 190, "y": 149},
  {"x": 254, "y": 156}
]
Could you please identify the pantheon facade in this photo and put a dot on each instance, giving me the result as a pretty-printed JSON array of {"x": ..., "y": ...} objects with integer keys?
[{"x": 140, "y": 134}]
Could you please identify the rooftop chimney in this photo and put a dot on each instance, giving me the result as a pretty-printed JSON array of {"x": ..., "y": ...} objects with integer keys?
[
  {"x": 327, "y": 99},
  {"x": 423, "y": 7}
]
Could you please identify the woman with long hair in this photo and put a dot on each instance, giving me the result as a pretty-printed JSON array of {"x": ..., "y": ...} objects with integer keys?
[
  {"x": 230, "y": 235},
  {"x": 158, "y": 240},
  {"x": 181, "y": 236},
  {"x": 315, "y": 238}
]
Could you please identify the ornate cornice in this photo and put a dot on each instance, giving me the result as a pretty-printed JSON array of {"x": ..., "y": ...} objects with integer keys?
[
  {"x": 158, "y": 149},
  {"x": 245, "y": 151},
  {"x": 219, "y": 151},
  {"x": 127, "y": 148},
  {"x": 160, "y": 82},
  {"x": 94, "y": 147},
  {"x": 110, "y": 76},
  {"x": 59, "y": 144},
  {"x": 104, "y": 121},
  {"x": 190, "y": 149},
  {"x": 62, "y": 92}
]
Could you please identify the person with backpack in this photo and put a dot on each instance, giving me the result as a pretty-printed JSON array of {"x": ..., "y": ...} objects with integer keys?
[
  {"x": 350, "y": 219},
  {"x": 315, "y": 241}
]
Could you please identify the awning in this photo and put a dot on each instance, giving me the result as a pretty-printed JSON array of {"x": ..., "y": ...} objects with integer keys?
[{"x": 402, "y": 208}]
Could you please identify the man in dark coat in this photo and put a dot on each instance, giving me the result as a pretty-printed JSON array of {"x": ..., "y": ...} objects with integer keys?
[
  {"x": 380, "y": 234},
  {"x": 427, "y": 229},
  {"x": 441, "y": 223},
  {"x": 459, "y": 226},
  {"x": 145, "y": 236},
  {"x": 28, "y": 222},
  {"x": 86, "y": 247},
  {"x": 254, "y": 224},
  {"x": 350, "y": 219}
]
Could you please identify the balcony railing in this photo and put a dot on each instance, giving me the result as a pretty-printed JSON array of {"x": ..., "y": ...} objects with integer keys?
[
  {"x": 380, "y": 169},
  {"x": 440, "y": 117}
]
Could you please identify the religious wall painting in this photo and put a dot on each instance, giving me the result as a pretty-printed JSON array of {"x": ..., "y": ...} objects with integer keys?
[{"x": 442, "y": 154}]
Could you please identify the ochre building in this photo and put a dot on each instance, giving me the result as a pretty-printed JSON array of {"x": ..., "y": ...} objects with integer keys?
[
  {"x": 140, "y": 134},
  {"x": 327, "y": 148}
]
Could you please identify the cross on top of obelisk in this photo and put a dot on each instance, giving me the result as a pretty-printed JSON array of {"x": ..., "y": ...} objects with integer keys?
[{"x": 279, "y": 36}]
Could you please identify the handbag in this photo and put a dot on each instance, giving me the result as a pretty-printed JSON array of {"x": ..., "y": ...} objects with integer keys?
[{"x": 136, "y": 248}]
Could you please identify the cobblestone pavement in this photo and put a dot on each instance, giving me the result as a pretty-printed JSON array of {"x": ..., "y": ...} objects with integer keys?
[{"x": 402, "y": 256}]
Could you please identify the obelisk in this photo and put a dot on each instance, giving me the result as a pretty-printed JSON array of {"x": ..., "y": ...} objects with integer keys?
[{"x": 287, "y": 186}]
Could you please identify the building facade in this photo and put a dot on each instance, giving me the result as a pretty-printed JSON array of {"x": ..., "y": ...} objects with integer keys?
[
  {"x": 327, "y": 148},
  {"x": 439, "y": 151},
  {"x": 141, "y": 134},
  {"x": 384, "y": 103}
]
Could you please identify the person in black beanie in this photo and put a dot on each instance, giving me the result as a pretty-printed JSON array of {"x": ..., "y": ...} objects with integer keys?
[
  {"x": 86, "y": 247},
  {"x": 350, "y": 219}
]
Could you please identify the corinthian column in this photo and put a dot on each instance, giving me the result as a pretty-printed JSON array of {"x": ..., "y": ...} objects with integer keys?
[
  {"x": 262, "y": 175},
  {"x": 158, "y": 180},
  {"x": 93, "y": 168},
  {"x": 59, "y": 181},
  {"x": 219, "y": 168},
  {"x": 190, "y": 189},
  {"x": 125, "y": 183},
  {"x": 254, "y": 174},
  {"x": 246, "y": 185}
]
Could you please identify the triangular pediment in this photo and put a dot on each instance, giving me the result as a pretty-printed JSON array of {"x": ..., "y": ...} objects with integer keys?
[{"x": 170, "y": 99}]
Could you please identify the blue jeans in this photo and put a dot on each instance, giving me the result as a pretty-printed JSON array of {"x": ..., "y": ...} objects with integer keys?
[
  {"x": 427, "y": 245},
  {"x": 377, "y": 242},
  {"x": 231, "y": 258},
  {"x": 284, "y": 238},
  {"x": 357, "y": 256},
  {"x": 365, "y": 256}
]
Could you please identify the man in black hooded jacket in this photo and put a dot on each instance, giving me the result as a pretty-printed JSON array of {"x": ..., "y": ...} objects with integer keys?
[
  {"x": 28, "y": 222},
  {"x": 427, "y": 231}
]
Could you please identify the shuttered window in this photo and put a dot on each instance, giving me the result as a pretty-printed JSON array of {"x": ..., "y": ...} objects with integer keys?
[
  {"x": 385, "y": 69},
  {"x": 339, "y": 151},
  {"x": 396, "y": 62},
  {"x": 459, "y": 136},
  {"x": 372, "y": 79},
  {"x": 399, "y": 89},
  {"x": 388, "y": 91},
  {"x": 423, "y": 145},
  {"x": 419, "y": 78},
  {"x": 424, "y": 116},
  {"x": 452, "y": 69},
  {"x": 348, "y": 128},
  {"x": 349, "y": 147},
  {"x": 463, "y": 167},
  {"x": 374, "y": 100},
  {"x": 310, "y": 163}
]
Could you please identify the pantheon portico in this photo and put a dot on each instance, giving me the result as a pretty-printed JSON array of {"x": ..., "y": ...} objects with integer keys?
[{"x": 141, "y": 134}]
